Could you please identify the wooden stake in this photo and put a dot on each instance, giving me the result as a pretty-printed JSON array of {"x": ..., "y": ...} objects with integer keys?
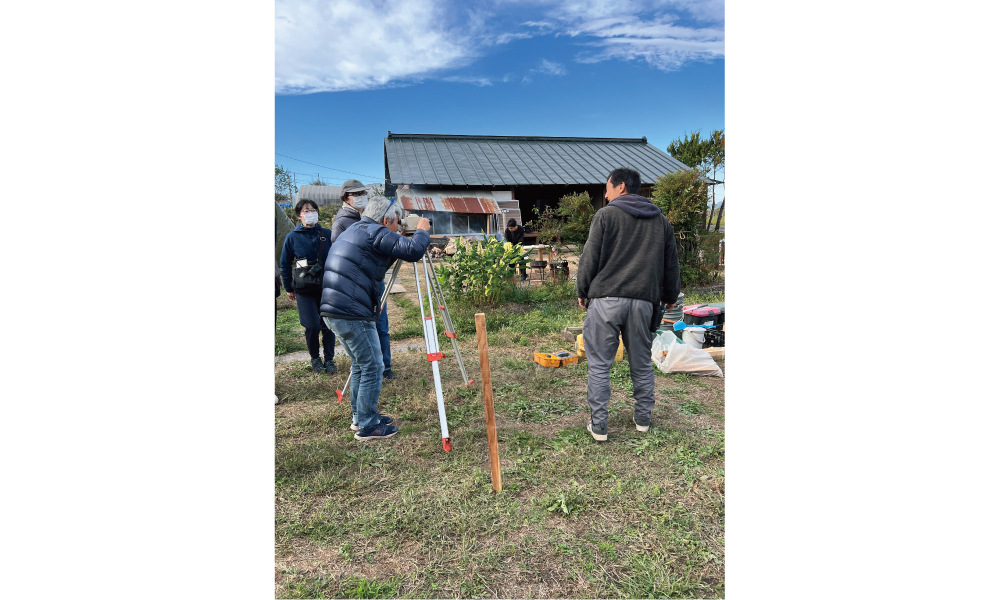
[{"x": 491, "y": 426}]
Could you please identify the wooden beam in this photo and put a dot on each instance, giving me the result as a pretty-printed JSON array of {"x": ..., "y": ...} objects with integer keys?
[{"x": 491, "y": 426}]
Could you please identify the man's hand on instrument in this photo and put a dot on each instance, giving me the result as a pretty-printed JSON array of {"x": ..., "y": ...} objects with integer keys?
[{"x": 424, "y": 224}]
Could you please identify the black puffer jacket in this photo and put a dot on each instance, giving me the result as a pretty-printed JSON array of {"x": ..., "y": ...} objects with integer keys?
[{"x": 359, "y": 259}]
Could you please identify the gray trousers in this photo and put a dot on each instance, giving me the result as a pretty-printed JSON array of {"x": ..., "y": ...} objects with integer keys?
[{"x": 606, "y": 318}]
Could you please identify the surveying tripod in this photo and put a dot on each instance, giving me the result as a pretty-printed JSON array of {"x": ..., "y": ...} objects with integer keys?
[{"x": 434, "y": 354}]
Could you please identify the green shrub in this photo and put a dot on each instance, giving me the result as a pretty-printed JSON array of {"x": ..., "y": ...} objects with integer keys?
[
  {"x": 568, "y": 223},
  {"x": 481, "y": 272},
  {"x": 682, "y": 196}
]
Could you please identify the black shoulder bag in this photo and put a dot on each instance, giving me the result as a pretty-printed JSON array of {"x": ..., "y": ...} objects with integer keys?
[{"x": 309, "y": 279}]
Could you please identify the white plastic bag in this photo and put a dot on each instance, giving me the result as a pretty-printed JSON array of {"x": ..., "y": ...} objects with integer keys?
[{"x": 681, "y": 357}]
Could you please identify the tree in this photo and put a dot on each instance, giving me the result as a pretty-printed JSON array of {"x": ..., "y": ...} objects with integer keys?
[
  {"x": 317, "y": 181},
  {"x": 682, "y": 196},
  {"x": 692, "y": 151},
  {"x": 703, "y": 155},
  {"x": 568, "y": 223},
  {"x": 283, "y": 191},
  {"x": 716, "y": 158}
]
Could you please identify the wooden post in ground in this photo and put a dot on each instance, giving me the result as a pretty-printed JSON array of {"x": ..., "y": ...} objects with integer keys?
[{"x": 491, "y": 426}]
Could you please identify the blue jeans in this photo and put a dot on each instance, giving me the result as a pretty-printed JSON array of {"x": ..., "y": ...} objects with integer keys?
[
  {"x": 382, "y": 326},
  {"x": 360, "y": 340}
]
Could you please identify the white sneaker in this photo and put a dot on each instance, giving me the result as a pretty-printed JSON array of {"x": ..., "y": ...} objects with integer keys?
[
  {"x": 600, "y": 437},
  {"x": 639, "y": 427},
  {"x": 275, "y": 398}
]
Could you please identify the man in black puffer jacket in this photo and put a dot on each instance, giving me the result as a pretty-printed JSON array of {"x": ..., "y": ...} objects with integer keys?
[
  {"x": 628, "y": 266},
  {"x": 355, "y": 267}
]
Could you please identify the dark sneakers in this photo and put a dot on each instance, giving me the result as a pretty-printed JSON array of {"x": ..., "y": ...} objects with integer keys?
[
  {"x": 383, "y": 420},
  {"x": 388, "y": 374},
  {"x": 331, "y": 367},
  {"x": 317, "y": 365},
  {"x": 377, "y": 432},
  {"x": 598, "y": 430}
]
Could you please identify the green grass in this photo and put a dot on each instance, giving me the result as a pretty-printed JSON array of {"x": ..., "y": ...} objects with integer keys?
[
  {"x": 642, "y": 515},
  {"x": 288, "y": 334}
]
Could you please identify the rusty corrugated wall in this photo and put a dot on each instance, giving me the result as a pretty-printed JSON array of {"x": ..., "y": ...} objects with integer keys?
[{"x": 465, "y": 201}]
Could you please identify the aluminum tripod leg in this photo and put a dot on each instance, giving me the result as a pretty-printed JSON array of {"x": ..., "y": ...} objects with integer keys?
[
  {"x": 449, "y": 328},
  {"x": 381, "y": 304},
  {"x": 433, "y": 354}
]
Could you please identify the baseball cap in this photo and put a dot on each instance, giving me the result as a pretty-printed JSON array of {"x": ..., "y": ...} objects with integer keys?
[{"x": 352, "y": 185}]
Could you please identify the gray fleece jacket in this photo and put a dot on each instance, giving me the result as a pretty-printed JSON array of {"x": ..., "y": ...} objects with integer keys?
[
  {"x": 346, "y": 216},
  {"x": 630, "y": 253}
]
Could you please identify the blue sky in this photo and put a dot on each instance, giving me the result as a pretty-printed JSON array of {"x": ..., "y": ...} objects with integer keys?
[{"x": 346, "y": 72}]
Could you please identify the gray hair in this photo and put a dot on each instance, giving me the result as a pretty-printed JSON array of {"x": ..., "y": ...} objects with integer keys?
[{"x": 380, "y": 207}]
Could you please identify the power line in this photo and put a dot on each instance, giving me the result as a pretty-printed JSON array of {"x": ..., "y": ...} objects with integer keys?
[{"x": 328, "y": 168}]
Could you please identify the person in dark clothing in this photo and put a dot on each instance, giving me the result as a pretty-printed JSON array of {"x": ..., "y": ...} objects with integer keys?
[
  {"x": 354, "y": 195},
  {"x": 628, "y": 266},
  {"x": 307, "y": 246},
  {"x": 349, "y": 306},
  {"x": 515, "y": 235}
]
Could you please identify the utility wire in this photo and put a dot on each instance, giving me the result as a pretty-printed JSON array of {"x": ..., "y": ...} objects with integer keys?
[{"x": 329, "y": 168}]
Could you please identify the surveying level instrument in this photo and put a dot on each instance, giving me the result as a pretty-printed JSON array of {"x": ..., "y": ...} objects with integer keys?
[{"x": 434, "y": 295}]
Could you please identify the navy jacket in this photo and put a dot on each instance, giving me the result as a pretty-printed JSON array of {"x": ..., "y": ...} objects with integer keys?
[
  {"x": 357, "y": 261},
  {"x": 303, "y": 242}
]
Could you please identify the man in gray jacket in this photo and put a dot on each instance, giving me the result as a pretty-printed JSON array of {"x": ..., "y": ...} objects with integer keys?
[{"x": 628, "y": 267}]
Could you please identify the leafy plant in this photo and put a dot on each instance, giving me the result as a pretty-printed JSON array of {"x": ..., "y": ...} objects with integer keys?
[
  {"x": 564, "y": 503},
  {"x": 481, "y": 271},
  {"x": 692, "y": 408},
  {"x": 568, "y": 223},
  {"x": 682, "y": 196}
]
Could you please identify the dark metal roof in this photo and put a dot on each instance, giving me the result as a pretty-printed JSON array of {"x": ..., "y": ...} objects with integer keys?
[{"x": 478, "y": 160}]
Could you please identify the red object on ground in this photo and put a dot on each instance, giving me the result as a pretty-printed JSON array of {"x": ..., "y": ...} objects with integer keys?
[
  {"x": 340, "y": 396},
  {"x": 446, "y": 442},
  {"x": 699, "y": 310}
]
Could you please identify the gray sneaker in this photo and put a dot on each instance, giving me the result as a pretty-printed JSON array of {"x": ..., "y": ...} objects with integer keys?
[
  {"x": 317, "y": 364},
  {"x": 599, "y": 431},
  {"x": 331, "y": 367},
  {"x": 641, "y": 424}
]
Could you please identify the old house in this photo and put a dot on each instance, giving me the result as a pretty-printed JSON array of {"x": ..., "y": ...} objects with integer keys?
[{"x": 472, "y": 183}]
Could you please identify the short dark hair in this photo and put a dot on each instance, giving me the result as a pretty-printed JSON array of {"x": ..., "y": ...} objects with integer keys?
[
  {"x": 303, "y": 202},
  {"x": 511, "y": 223},
  {"x": 630, "y": 177}
]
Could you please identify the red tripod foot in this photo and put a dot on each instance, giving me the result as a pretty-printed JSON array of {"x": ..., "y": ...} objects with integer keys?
[{"x": 446, "y": 442}]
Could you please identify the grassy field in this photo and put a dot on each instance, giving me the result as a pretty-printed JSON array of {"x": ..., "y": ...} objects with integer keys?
[{"x": 640, "y": 516}]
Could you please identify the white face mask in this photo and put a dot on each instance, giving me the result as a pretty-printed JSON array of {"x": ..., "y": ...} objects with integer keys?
[
  {"x": 310, "y": 218},
  {"x": 360, "y": 201}
]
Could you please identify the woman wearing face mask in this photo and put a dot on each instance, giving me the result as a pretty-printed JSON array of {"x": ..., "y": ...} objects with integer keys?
[{"x": 302, "y": 258}]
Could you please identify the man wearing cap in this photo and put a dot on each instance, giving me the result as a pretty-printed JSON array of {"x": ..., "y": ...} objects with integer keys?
[{"x": 354, "y": 195}]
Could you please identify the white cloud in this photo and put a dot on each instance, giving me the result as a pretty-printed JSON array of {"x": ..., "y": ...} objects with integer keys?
[
  {"x": 550, "y": 68},
  {"x": 478, "y": 81},
  {"x": 634, "y": 30},
  {"x": 324, "y": 45},
  {"x": 354, "y": 45}
]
